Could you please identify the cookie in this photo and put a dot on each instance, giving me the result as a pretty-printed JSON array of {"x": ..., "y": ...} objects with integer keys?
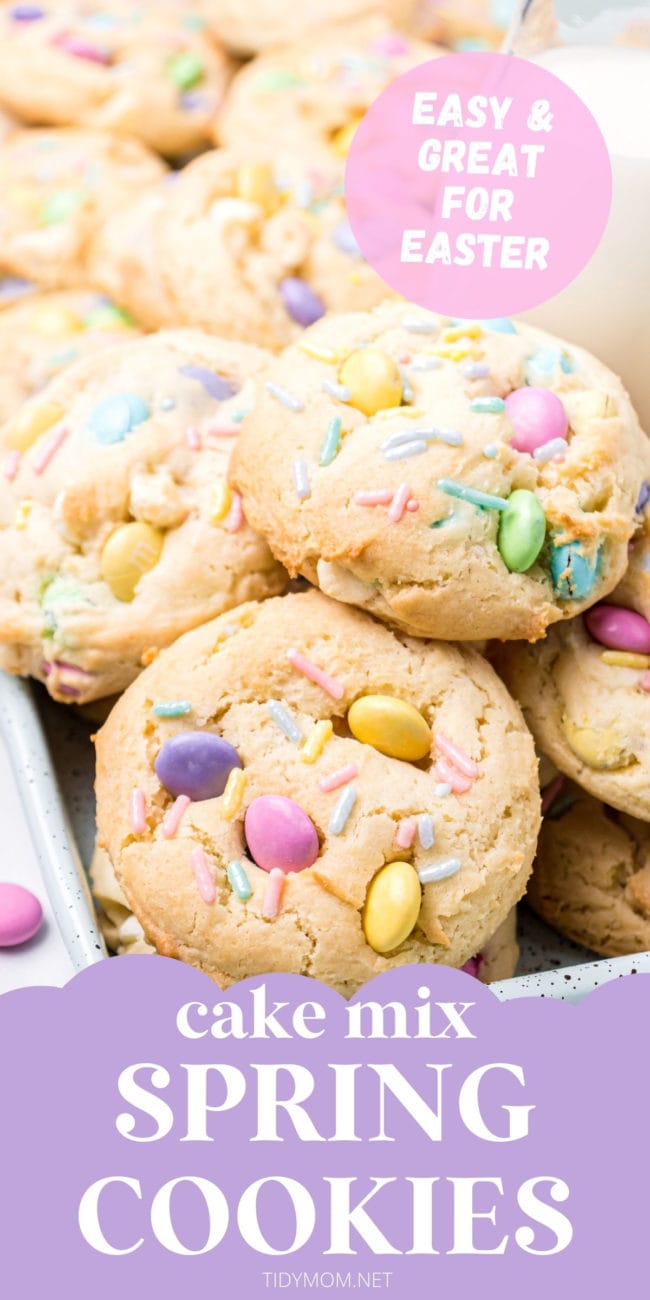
[
  {"x": 467, "y": 24},
  {"x": 335, "y": 800},
  {"x": 56, "y": 188},
  {"x": 42, "y": 334},
  {"x": 585, "y": 691},
  {"x": 306, "y": 99},
  {"x": 263, "y": 24},
  {"x": 149, "y": 74},
  {"x": 117, "y": 529},
  {"x": 458, "y": 480},
  {"x": 591, "y": 879},
  {"x": 233, "y": 247}
]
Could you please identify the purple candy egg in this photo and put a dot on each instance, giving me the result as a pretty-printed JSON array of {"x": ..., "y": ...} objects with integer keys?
[
  {"x": 303, "y": 305},
  {"x": 197, "y": 764},
  {"x": 215, "y": 385},
  {"x": 280, "y": 834},
  {"x": 619, "y": 629},
  {"x": 27, "y": 13},
  {"x": 20, "y": 915},
  {"x": 537, "y": 416}
]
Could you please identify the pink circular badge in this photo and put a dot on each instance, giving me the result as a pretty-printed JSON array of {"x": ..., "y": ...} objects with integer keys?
[{"x": 478, "y": 185}]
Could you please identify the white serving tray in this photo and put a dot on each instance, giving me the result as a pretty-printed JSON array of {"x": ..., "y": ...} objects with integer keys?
[{"x": 50, "y": 751}]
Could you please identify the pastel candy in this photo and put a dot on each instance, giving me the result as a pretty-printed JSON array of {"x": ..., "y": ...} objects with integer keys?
[
  {"x": 130, "y": 551},
  {"x": 255, "y": 183},
  {"x": 599, "y": 747},
  {"x": 31, "y": 422},
  {"x": 392, "y": 726},
  {"x": 537, "y": 416},
  {"x": 573, "y": 572},
  {"x": 20, "y": 915},
  {"x": 522, "y": 529},
  {"x": 279, "y": 834},
  {"x": 302, "y": 304},
  {"x": 115, "y": 416},
  {"x": 392, "y": 906},
  {"x": 619, "y": 629},
  {"x": 56, "y": 321},
  {"x": 215, "y": 385},
  {"x": 185, "y": 69},
  {"x": 373, "y": 379},
  {"x": 196, "y": 764}
]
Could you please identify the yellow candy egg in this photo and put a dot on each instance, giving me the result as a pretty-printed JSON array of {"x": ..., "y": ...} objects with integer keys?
[
  {"x": 130, "y": 551},
  {"x": 31, "y": 422},
  {"x": 57, "y": 321},
  {"x": 391, "y": 726},
  {"x": 255, "y": 184},
  {"x": 599, "y": 747},
  {"x": 373, "y": 379},
  {"x": 392, "y": 906}
]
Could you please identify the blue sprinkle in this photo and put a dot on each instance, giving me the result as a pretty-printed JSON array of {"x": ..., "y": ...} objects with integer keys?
[
  {"x": 550, "y": 449},
  {"x": 426, "y": 833},
  {"x": 542, "y": 363},
  {"x": 215, "y": 385},
  {"x": 64, "y": 358},
  {"x": 439, "y": 870},
  {"x": 301, "y": 479},
  {"x": 114, "y": 417},
  {"x": 573, "y": 572},
  {"x": 284, "y": 721},
  {"x": 342, "y": 809},
  {"x": 331, "y": 441},
  {"x": 487, "y": 405},
  {"x": 340, "y": 391},
  {"x": 426, "y": 363},
  {"x": 491, "y": 450},
  {"x": 281, "y": 395},
  {"x": 476, "y": 498},
  {"x": 406, "y": 449},
  {"x": 175, "y": 709},
  {"x": 239, "y": 880},
  {"x": 167, "y": 404},
  {"x": 238, "y": 416},
  {"x": 476, "y": 370},
  {"x": 442, "y": 790},
  {"x": 451, "y": 437}
]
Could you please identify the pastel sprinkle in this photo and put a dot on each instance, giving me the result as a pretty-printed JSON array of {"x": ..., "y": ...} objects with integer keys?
[
  {"x": 316, "y": 741},
  {"x": 399, "y": 503},
  {"x": 221, "y": 502},
  {"x": 284, "y": 721},
  {"x": 138, "y": 812},
  {"x": 335, "y": 780},
  {"x": 11, "y": 465},
  {"x": 328, "y": 355},
  {"x": 174, "y": 817},
  {"x": 239, "y": 881},
  {"x": 442, "y": 790},
  {"x": 426, "y": 833},
  {"x": 231, "y": 800},
  {"x": 50, "y": 449},
  {"x": 405, "y": 412},
  {"x": 556, "y": 447},
  {"x": 23, "y": 511},
  {"x": 193, "y": 439},
  {"x": 342, "y": 809},
  {"x": 406, "y": 449},
  {"x": 331, "y": 441},
  {"x": 447, "y": 773},
  {"x": 476, "y": 370},
  {"x": 203, "y": 875},
  {"x": 378, "y": 497},
  {"x": 287, "y": 399},
  {"x": 462, "y": 330},
  {"x": 491, "y": 450},
  {"x": 235, "y": 518},
  {"x": 406, "y": 436},
  {"x": 439, "y": 870},
  {"x": 419, "y": 325},
  {"x": 227, "y": 429},
  {"x": 451, "y": 437},
  {"x": 455, "y": 755},
  {"x": 487, "y": 405},
  {"x": 412, "y": 505},
  {"x": 273, "y": 894},
  {"x": 300, "y": 473},
  {"x": 550, "y": 791},
  {"x": 215, "y": 385},
  {"x": 625, "y": 659},
  {"x": 484, "y": 500},
  {"x": 426, "y": 363},
  {"x": 185, "y": 69},
  {"x": 405, "y": 833},
  {"x": 329, "y": 684},
  {"x": 340, "y": 391},
  {"x": 175, "y": 709}
]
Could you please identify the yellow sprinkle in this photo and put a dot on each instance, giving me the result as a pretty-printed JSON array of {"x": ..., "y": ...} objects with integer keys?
[
  {"x": 355, "y": 277},
  {"x": 316, "y": 741},
  {"x": 451, "y": 353},
  {"x": 328, "y": 355},
  {"x": 55, "y": 320},
  {"x": 233, "y": 793},
  {"x": 23, "y": 512},
  {"x": 32, "y": 421},
  {"x": 221, "y": 502},
  {"x": 255, "y": 184},
  {"x": 625, "y": 659},
  {"x": 454, "y": 332},
  {"x": 404, "y": 412}
]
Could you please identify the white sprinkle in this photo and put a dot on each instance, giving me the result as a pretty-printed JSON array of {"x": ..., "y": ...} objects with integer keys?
[
  {"x": 451, "y": 437},
  {"x": 426, "y": 363},
  {"x": 419, "y": 325},
  {"x": 555, "y": 447},
  {"x": 439, "y": 870},
  {"x": 407, "y": 391},
  {"x": 287, "y": 399},
  {"x": 491, "y": 450},
  {"x": 284, "y": 721},
  {"x": 301, "y": 479},
  {"x": 342, "y": 809},
  {"x": 426, "y": 833},
  {"x": 340, "y": 391},
  {"x": 406, "y": 449},
  {"x": 442, "y": 790},
  {"x": 476, "y": 370},
  {"x": 409, "y": 435}
]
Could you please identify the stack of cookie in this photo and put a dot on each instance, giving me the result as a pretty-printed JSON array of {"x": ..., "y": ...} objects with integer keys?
[{"x": 274, "y": 525}]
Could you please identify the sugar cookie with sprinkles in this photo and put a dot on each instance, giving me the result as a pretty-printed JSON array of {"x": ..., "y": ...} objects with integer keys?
[
  {"x": 56, "y": 188},
  {"x": 293, "y": 787},
  {"x": 585, "y": 690},
  {"x": 458, "y": 479},
  {"x": 150, "y": 73},
  {"x": 118, "y": 531},
  {"x": 262, "y": 24}
]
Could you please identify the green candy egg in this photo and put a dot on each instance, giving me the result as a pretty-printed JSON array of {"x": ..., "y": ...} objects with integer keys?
[{"x": 522, "y": 529}]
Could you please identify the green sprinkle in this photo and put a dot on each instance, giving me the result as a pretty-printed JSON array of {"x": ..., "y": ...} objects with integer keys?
[
  {"x": 60, "y": 206},
  {"x": 489, "y": 405},
  {"x": 278, "y": 79},
  {"x": 561, "y": 805},
  {"x": 331, "y": 442},
  {"x": 476, "y": 498},
  {"x": 239, "y": 880},
  {"x": 175, "y": 709},
  {"x": 238, "y": 416},
  {"x": 185, "y": 69},
  {"x": 438, "y": 523}
]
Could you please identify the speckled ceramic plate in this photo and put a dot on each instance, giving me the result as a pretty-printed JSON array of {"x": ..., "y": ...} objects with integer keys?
[{"x": 50, "y": 749}]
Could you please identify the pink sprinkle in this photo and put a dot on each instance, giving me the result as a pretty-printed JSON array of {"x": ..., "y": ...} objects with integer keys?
[
  {"x": 73, "y": 668},
  {"x": 138, "y": 810},
  {"x": 412, "y": 504},
  {"x": 49, "y": 450},
  {"x": 223, "y": 431},
  {"x": 383, "y": 497},
  {"x": 81, "y": 49},
  {"x": 644, "y": 682},
  {"x": 449, "y": 775},
  {"x": 455, "y": 755},
  {"x": 193, "y": 439},
  {"x": 404, "y": 359},
  {"x": 550, "y": 792},
  {"x": 203, "y": 875},
  {"x": 406, "y": 832},
  {"x": 338, "y": 778},
  {"x": 273, "y": 895},
  {"x": 330, "y": 685},
  {"x": 11, "y": 465},
  {"x": 235, "y": 518},
  {"x": 399, "y": 503},
  {"x": 174, "y": 817}
]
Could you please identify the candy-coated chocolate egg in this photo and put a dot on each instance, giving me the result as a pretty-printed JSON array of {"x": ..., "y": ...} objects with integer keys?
[
  {"x": 573, "y": 572},
  {"x": 196, "y": 764},
  {"x": 619, "y": 629},
  {"x": 373, "y": 379},
  {"x": 390, "y": 725},
  {"x": 31, "y": 422},
  {"x": 522, "y": 529},
  {"x": 302, "y": 304},
  {"x": 255, "y": 183},
  {"x": 55, "y": 321},
  {"x": 115, "y": 416},
  {"x": 20, "y": 915},
  {"x": 130, "y": 551},
  {"x": 392, "y": 906},
  {"x": 599, "y": 747},
  {"x": 280, "y": 834},
  {"x": 537, "y": 416}
]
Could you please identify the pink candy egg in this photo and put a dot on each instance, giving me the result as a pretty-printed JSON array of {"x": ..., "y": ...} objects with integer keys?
[
  {"x": 619, "y": 629},
  {"x": 280, "y": 834},
  {"x": 20, "y": 915},
  {"x": 537, "y": 416}
]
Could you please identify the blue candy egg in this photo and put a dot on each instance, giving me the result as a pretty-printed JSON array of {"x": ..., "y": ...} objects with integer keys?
[
  {"x": 115, "y": 416},
  {"x": 573, "y": 572}
]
